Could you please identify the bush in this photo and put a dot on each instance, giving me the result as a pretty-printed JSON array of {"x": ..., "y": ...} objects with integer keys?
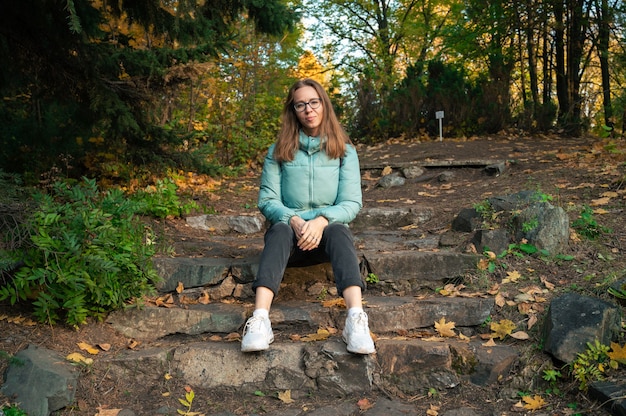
[{"x": 88, "y": 255}]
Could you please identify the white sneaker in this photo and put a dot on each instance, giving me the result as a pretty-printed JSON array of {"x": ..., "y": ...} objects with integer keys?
[
  {"x": 357, "y": 335},
  {"x": 257, "y": 334}
]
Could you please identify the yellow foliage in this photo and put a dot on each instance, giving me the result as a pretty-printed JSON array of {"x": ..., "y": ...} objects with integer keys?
[
  {"x": 617, "y": 353},
  {"x": 503, "y": 328},
  {"x": 445, "y": 329}
]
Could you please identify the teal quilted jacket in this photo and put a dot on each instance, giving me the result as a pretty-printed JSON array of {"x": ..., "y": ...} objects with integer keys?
[{"x": 311, "y": 185}]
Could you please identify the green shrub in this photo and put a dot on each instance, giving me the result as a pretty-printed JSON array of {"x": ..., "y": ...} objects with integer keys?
[
  {"x": 88, "y": 255},
  {"x": 587, "y": 226},
  {"x": 161, "y": 200}
]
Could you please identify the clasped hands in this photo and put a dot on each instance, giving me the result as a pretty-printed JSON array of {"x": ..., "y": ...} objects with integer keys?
[{"x": 308, "y": 233}]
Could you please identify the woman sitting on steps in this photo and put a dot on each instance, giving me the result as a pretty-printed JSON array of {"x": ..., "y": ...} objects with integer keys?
[{"x": 310, "y": 190}]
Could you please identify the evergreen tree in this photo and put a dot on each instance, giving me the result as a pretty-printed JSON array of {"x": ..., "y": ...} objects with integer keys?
[{"x": 86, "y": 77}]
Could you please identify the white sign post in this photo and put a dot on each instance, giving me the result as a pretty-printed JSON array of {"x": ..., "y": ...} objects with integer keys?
[{"x": 439, "y": 116}]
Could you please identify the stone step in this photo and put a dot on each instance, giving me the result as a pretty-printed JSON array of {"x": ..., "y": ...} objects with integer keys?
[
  {"x": 387, "y": 315},
  {"x": 324, "y": 368},
  {"x": 409, "y": 358},
  {"x": 378, "y": 218},
  {"x": 404, "y": 270}
]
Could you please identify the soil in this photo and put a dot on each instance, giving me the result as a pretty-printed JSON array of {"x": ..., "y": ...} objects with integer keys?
[{"x": 573, "y": 172}]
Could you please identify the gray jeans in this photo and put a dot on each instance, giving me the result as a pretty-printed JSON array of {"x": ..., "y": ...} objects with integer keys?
[{"x": 281, "y": 250}]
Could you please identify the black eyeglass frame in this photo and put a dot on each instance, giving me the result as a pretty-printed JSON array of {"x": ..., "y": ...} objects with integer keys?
[{"x": 315, "y": 103}]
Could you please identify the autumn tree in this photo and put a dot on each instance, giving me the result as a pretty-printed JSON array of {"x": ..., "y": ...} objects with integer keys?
[{"x": 74, "y": 83}]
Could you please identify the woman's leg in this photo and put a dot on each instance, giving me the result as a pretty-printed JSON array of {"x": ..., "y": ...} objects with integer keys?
[
  {"x": 339, "y": 247},
  {"x": 279, "y": 242}
]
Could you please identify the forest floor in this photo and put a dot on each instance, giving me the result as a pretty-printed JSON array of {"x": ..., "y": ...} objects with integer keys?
[{"x": 573, "y": 173}]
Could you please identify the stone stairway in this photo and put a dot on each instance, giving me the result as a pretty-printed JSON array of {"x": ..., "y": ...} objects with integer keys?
[{"x": 198, "y": 340}]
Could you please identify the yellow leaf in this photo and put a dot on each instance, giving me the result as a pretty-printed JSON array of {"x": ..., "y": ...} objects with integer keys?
[
  {"x": 617, "y": 353},
  {"x": 600, "y": 201},
  {"x": 387, "y": 171},
  {"x": 86, "y": 347},
  {"x": 533, "y": 403},
  {"x": 77, "y": 357},
  {"x": 321, "y": 335},
  {"x": 339, "y": 302},
  {"x": 503, "y": 328},
  {"x": 433, "y": 410},
  {"x": 285, "y": 397},
  {"x": 512, "y": 277},
  {"x": 167, "y": 376},
  {"x": 445, "y": 329},
  {"x": 180, "y": 287}
]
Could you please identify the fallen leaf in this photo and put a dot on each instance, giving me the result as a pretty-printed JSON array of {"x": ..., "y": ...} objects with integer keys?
[
  {"x": 104, "y": 347},
  {"x": 285, "y": 397},
  {"x": 387, "y": 171},
  {"x": 339, "y": 302},
  {"x": 86, "y": 347},
  {"x": 502, "y": 328},
  {"x": 512, "y": 277},
  {"x": 533, "y": 403},
  {"x": 320, "y": 335},
  {"x": 433, "y": 410},
  {"x": 445, "y": 329},
  {"x": 617, "y": 353},
  {"x": 233, "y": 336},
  {"x": 600, "y": 201},
  {"x": 500, "y": 301},
  {"x": 490, "y": 343},
  {"x": 180, "y": 287},
  {"x": 521, "y": 335},
  {"x": 132, "y": 344},
  {"x": 364, "y": 404},
  {"x": 77, "y": 357},
  {"x": 204, "y": 298},
  {"x": 108, "y": 412},
  {"x": 532, "y": 320}
]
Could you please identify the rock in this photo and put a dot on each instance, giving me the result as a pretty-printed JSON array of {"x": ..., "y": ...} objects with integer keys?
[
  {"x": 245, "y": 224},
  {"x": 446, "y": 176},
  {"x": 496, "y": 240},
  {"x": 412, "y": 172},
  {"x": 412, "y": 364},
  {"x": 390, "y": 218},
  {"x": 514, "y": 202},
  {"x": 41, "y": 381},
  {"x": 574, "y": 320},
  {"x": 391, "y": 180},
  {"x": 612, "y": 395},
  {"x": 496, "y": 169},
  {"x": 549, "y": 226},
  {"x": 467, "y": 220}
]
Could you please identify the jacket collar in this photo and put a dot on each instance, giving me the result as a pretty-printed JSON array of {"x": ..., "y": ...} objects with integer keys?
[{"x": 309, "y": 144}]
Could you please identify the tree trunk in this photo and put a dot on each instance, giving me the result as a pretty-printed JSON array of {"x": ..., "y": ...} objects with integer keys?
[{"x": 603, "y": 53}]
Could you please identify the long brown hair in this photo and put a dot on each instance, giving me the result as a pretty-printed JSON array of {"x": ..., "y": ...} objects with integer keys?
[{"x": 330, "y": 129}]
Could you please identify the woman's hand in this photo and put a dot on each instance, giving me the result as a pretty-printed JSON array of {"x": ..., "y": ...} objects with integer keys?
[{"x": 308, "y": 233}]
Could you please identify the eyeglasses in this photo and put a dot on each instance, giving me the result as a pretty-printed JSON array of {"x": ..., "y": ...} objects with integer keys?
[{"x": 301, "y": 106}]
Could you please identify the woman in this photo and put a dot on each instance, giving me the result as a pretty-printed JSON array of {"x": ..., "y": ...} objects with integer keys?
[{"x": 310, "y": 190}]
